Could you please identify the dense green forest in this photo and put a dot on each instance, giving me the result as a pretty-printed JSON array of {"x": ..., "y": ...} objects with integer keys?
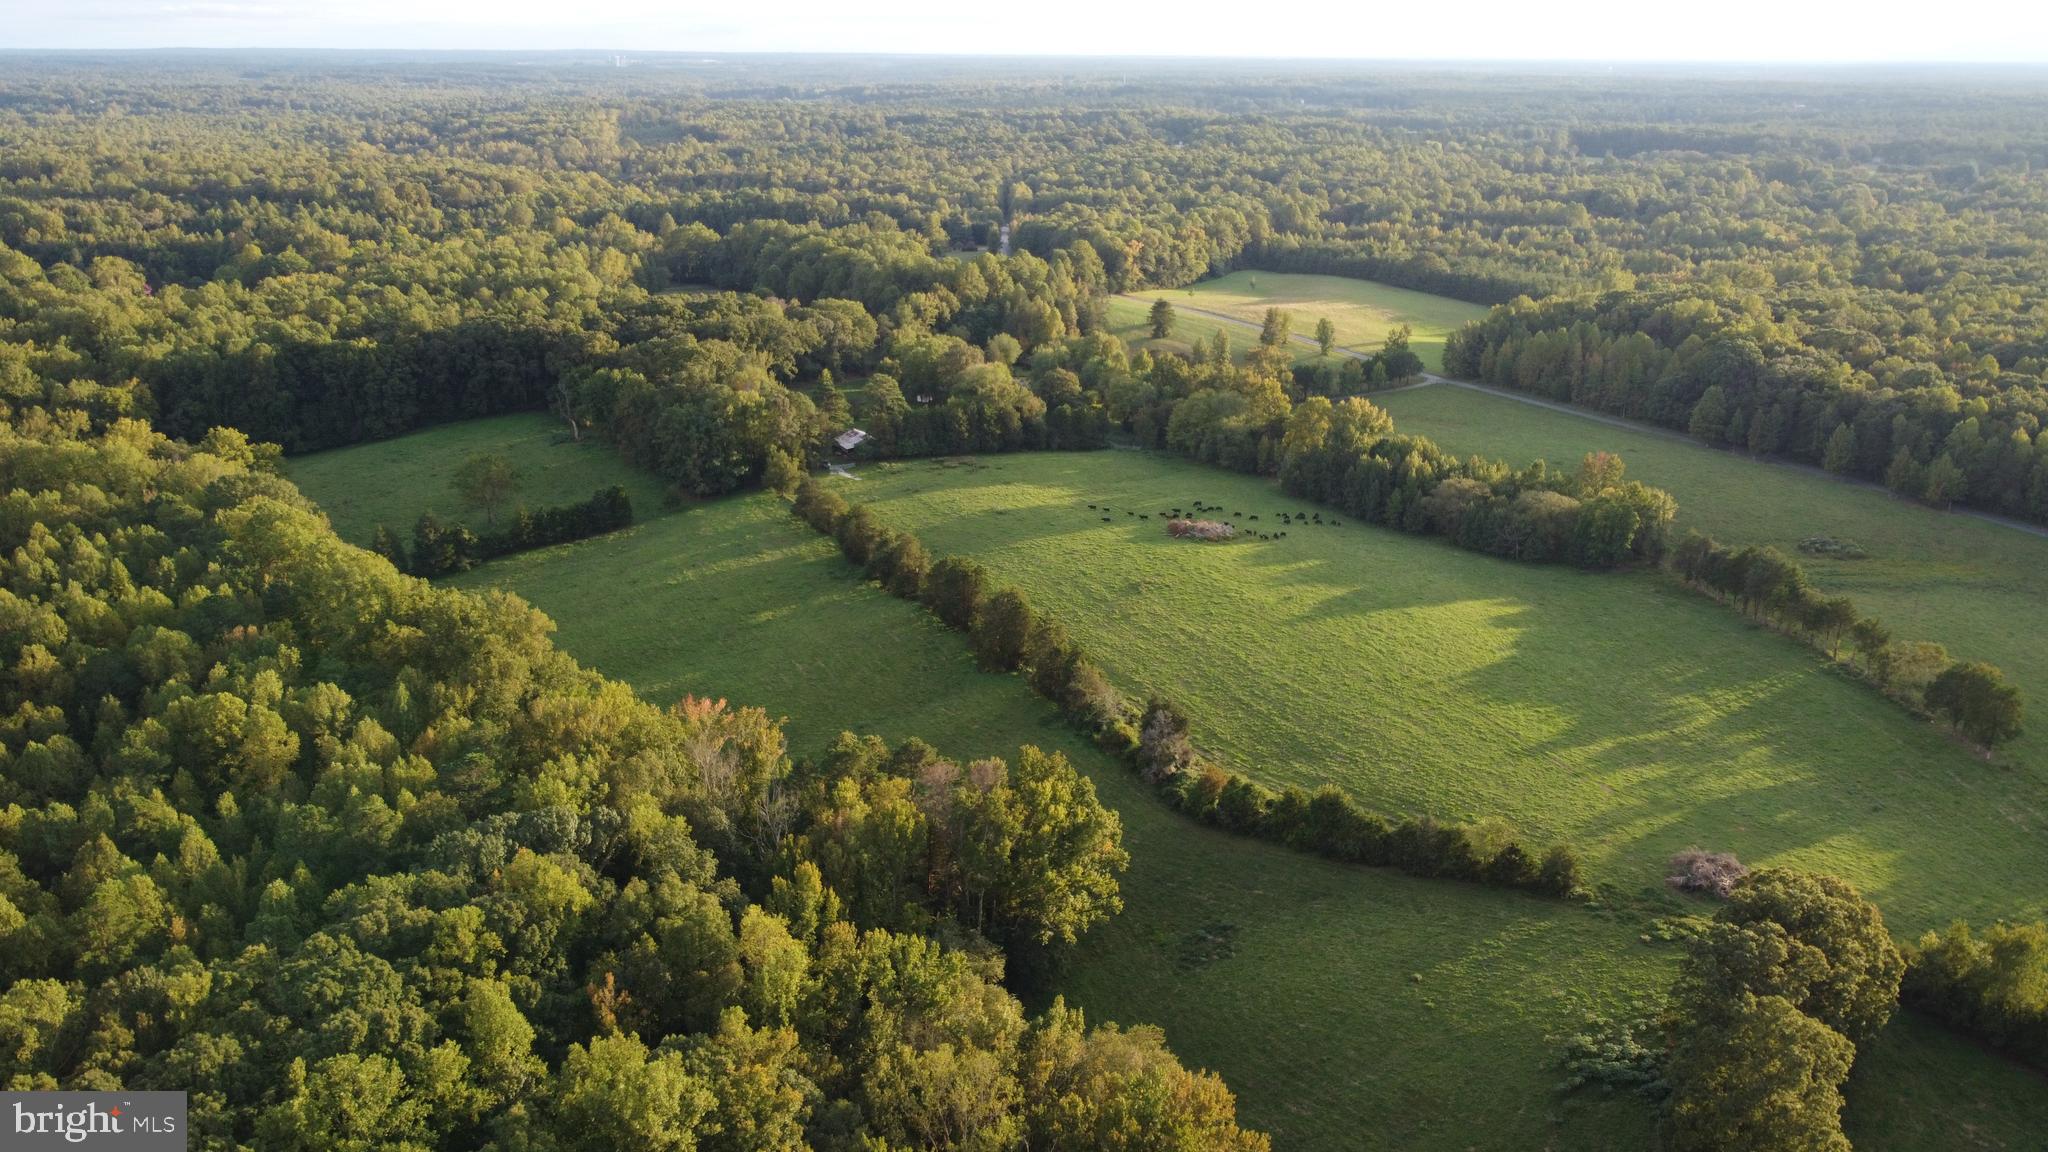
[{"x": 368, "y": 863}]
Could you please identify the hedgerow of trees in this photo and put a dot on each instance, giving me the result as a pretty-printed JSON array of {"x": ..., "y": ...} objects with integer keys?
[{"x": 1763, "y": 583}]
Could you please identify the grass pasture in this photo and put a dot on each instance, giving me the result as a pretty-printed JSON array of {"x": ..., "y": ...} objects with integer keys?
[
  {"x": 393, "y": 481},
  {"x": 1131, "y": 321},
  {"x": 1363, "y": 311},
  {"x": 1930, "y": 575},
  {"x": 1613, "y": 711},
  {"x": 1348, "y": 1007}
]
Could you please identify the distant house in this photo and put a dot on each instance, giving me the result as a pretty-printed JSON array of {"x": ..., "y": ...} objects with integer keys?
[{"x": 850, "y": 439}]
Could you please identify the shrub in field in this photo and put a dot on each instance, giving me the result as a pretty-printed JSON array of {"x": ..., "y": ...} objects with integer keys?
[
  {"x": 1976, "y": 699},
  {"x": 859, "y": 534},
  {"x": 819, "y": 506},
  {"x": 1559, "y": 875}
]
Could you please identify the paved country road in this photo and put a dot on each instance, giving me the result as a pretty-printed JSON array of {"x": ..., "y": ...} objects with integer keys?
[{"x": 1430, "y": 379}]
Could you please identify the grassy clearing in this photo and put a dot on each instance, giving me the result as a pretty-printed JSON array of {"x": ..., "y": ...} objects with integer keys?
[
  {"x": 1132, "y": 322},
  {"x": 393, "y": 481},
  {"x": 1930, "y": 575},
  {"x": 1612, "y": 711},
  {"x": 1348, "y": 1007},
  {"x": 1363, "y": 311}
]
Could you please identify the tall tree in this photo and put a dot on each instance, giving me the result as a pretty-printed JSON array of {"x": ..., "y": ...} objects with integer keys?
[
  {"x": 1273, "y": 333},
  {"x": 486, "y": 481},
  {"x": 1765, "y": 1077},
  {"x": 1975, "y": 698},
  {"x": 1162, "y": 319}
]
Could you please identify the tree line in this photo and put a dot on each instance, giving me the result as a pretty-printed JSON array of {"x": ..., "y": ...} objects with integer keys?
[
  {"x": 1720, "y": 367},
  {"x": 440, "y": 549},
  {"x": 1009, "y": 635},
  {"x": 1255, "y": 417},
  {"x": 1767, "y": 585}
]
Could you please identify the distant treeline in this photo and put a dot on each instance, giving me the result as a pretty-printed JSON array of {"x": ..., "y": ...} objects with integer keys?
[
  {"x": 1767, "y": 585},
  {"x": 1009, "y": 635},
  {"x": 1591, "y": 518},
  {"x": 1711, "y": 365},
  {"x": 440, "y": 549}
]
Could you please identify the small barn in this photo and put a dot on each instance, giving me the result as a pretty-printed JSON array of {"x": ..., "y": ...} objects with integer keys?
[{"x": 850, "y": 439}]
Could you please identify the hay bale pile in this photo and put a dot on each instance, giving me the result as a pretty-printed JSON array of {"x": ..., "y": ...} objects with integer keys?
[{"x": 1200, "y": 529}]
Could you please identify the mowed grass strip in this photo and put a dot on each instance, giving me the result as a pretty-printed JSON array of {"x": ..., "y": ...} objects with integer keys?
[
  {"x": 1973, "y": 586},
  {"x": 1347, "y": 1007},
  {"x": 1363, "y": 311},
  {"x": 1613, "y": 711},
  {"x": 393, "y": 481}
]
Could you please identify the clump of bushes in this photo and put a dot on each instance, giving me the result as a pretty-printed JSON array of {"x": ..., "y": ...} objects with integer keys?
[
  {"x": 1009, "y": 635},
  {"x": 441, "y": 549},
  {"x": 1715, "y": 873},
  {"x": 1624, "y": 1054},
  {"x": 1832, "y": 548},
  {"x": 1992, "y": 985}
]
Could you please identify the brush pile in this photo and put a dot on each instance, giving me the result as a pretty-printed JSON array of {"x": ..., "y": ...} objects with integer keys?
[{"x": 1200, "y": 529}]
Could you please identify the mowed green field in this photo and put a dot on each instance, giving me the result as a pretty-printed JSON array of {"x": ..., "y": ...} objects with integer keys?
[
  {"x": 1131, "y": 321},
  {"x": 1965, "y": 583},
  {"x": 1612, "y": 711},
  {"x": 1363, "y": 311},
  {"x": 1348, "y": 1007},
  {"x": 393, "y": 481}
]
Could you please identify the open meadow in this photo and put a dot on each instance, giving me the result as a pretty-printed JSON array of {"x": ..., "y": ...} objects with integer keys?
[
  {"x": 1363, "y": 311},
  {"x": 1346, "y": 1006},
  {"x": 1930, "y": 575},
  {"x": 392, "y": 481},
  {"x": 1613, "y": 711},
  {"x": 1130, "y": 320}
]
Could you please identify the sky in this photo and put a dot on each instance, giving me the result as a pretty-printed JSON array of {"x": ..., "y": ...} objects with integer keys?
[{"x": 1590, "y": 30}]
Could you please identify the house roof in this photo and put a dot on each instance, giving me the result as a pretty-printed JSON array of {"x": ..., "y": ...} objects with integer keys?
[{"x": 849, "y": 439}]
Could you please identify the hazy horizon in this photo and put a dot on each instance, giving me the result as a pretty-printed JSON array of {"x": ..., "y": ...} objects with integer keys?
[{"x": 1485, "y": 31}]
